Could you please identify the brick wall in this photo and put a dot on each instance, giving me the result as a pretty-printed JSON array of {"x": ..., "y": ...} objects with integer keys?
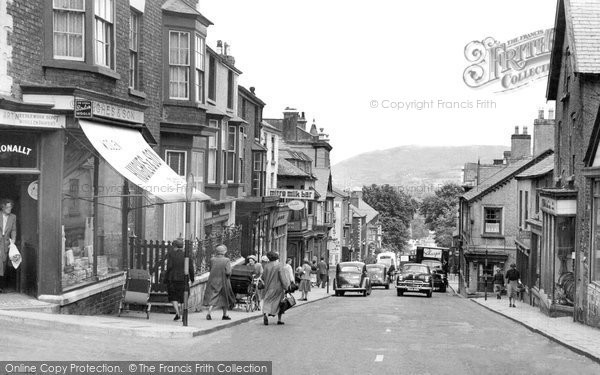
[{"x": 106, "y": 302}]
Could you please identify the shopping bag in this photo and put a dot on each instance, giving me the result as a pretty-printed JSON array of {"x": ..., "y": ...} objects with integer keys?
[
  {"x": 287, "y": 303},
  {"x": 14, "y": 255}
]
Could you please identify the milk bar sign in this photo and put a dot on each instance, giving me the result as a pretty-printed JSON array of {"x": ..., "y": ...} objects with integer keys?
[{"x": 293, "y": 194}]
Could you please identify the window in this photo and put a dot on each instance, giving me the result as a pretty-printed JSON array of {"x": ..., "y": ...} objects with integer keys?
[
  {"x": 273, "y": 180},
  {"x": 273, "y": 148},
  {"x": 179, "y": 65},
  {"x": 526, "y": 206},
  {"x": 176, "y": 160},
  {"x": 134, "y": 32},
  {"x": 595, "y": 264},
  {"x": 68, "y": 29},
  {"x": 199, "y": 79},
  {"x": 103, "y": 25},
  {"x": 257, "y": 172},
  {"x": 212, "y": 78},
  {"x": 492, "y": 218},
  {"x": 175, "y": 213},
  {"x": 230, "y": 89},
  {"x": 520, "y": 208},
  {"x": 211, "y": 163},
  {"x": 230, "y": 154}
]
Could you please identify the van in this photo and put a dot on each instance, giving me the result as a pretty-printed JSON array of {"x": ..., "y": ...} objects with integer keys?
[{"x": 388, "y": 258}]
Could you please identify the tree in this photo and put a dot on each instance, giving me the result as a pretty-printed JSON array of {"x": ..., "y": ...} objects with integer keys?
[
  {"x": 440, "y": 211},
  {"x": 396, "y": 211}
]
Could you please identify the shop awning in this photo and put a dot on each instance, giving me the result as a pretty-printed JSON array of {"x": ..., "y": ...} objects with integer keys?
[{"x": 129, "y": 154}]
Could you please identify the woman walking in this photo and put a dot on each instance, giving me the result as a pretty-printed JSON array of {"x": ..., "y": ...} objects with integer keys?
[
  {"x": 305, "y": 280},
  {"x": 218, "y": 291},
  {"x": 175, "y": 276},
  {"x": 276, "y": 283}
]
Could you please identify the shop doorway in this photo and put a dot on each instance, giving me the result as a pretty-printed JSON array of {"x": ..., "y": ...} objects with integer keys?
[{"x": 22, "y": 190}]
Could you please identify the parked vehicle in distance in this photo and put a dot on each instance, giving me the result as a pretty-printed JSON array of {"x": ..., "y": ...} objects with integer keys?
[
  {"x": 440, "y": 277},
  {"x": 351, "y": 277},
  {"x": 388, "y": 258},
  {"x": 414, "y": 277},
  {"x": 378, "y": 274}
]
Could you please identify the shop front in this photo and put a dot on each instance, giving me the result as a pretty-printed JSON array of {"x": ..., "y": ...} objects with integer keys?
[{"x": 556, "y": 263}]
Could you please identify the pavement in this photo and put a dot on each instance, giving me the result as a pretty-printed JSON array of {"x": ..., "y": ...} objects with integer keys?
[
  {"x": 134, "y": 323},
  {"x": 578, "y": 337}
]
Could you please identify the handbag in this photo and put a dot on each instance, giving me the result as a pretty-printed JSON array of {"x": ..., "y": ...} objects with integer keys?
[
  {"x": 287, "y": 303},
  {"x": 260, "y": 284},
  {"x": 14, "y": 255},
  {"x": 292, "y": 288}
]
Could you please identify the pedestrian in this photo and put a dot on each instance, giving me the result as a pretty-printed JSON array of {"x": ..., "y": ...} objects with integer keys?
[
  {"x": 175, "y": 276},
  {"x": 290, "y": 271},
  {"x": 8, "y": 236},
  {"x": 298, "y": 274},
  {"x": 276, "y": 283},
  {"x": 257, "y": 268},
  {"x": 323, "y": 270},
  {"x": 218, "y": 291},
  {"x": 498, "y": 283},
  {"x": 305, "y": 280},
  {"x": 314, "y": 269},
  {"x": 513, "y": 279}
]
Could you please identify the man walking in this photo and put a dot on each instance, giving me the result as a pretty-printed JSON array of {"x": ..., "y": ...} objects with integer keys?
[
  {"x": 498, "y": 283},
  {"x": 513, "y": 279},
  {"x": 323, "y": 272}
]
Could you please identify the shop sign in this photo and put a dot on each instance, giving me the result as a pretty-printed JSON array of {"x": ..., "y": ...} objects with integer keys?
[
  {"x": 295, "y": 205},
  {"x": 293, "y": 194},
  {"x": 18, "y": 151},
  {"x": 32, "y": 189},
  {"x": 281, "y": 219},
  {"x": 117, "y": 112},
  {"x": 83, "y": 108},
  {"x": 559, "y": 207},
  {"x": 29, "y": 119}
]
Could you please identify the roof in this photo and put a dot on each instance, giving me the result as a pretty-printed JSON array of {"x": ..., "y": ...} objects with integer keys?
[
  {"x": 270, "y": 127},
  {"x": 364, "y": 210},
  {"x": 339, "y": 192},
  {"x": 286, "y": 168},
  {"x": 275, "y": 122},
  {"x": 542, "y": 168},
  {"x": 178, "y": 6},
  {"x": 258, "y": 147},
  {"x": 578, "y": 21},
  {"x": 249, "y": 94},
  {"x": 503, "y": 176},
  {"x": 322, "y": 183},
  {"x": 296, "y": 155}
]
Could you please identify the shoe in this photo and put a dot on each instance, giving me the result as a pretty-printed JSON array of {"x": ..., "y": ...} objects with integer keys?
[
  {"x": 176, "y": 317},
  {"x": 280, "y": 323},
  {"x": 265, "y": 320},
  {"x": 225, "y": 317},
  {"x": 208, "y": 317}
]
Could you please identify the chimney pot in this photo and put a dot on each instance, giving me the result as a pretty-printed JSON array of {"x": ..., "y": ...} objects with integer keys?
[
  {"x": 252, "y": 89},
  {"x": 524, "y": 129},
  {"x": 550, "y": 114},
  {"x": 516, "y": 130},
  {"x": 541, "y": 114}
]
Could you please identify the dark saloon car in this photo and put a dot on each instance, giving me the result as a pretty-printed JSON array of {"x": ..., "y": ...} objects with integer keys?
[
  {"x": 440, "y": 277},
  {"x": 351, "y": 277},
  {"x": 378, "y": 274},
  {"x": 414, "y": 277}
]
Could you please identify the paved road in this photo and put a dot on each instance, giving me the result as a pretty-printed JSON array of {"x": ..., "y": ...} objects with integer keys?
[{"x": 379, "y": 334}]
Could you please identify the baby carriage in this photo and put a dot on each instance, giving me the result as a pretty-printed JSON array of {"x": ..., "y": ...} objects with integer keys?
[
  {"x": 245, "y": 288},
  {"x": 136, "y": 291}
]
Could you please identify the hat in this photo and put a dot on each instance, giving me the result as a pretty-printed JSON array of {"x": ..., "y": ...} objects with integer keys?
[
  {"x": 253, "y": 257},
  {"x": 513, "y": 265},
  {"x": 264, "y": 258},
  {"x": 178, "y": 243},
  {"x": 221, "y": 250}
]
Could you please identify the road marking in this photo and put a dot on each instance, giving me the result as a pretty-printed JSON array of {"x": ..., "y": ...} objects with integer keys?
[{"x": 379, "y": 358}]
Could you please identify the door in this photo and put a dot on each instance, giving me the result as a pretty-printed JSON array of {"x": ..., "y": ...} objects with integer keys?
[{"x": 485, "y": 273}]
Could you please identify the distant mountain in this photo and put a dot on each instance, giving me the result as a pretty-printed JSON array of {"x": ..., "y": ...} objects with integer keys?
[{"x": 418, "y": 169}]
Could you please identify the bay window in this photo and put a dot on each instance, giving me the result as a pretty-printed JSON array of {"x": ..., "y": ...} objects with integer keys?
[
  {"x": 199, "y": 64},
  {"x": 231, "y": 148},
  {"x": 103, "y": 26},
  {"x": 134, "y": 32},
  {"x": 179, "y": 64}
]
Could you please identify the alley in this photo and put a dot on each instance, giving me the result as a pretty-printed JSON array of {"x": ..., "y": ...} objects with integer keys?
[{"x": 379, "y": 334}]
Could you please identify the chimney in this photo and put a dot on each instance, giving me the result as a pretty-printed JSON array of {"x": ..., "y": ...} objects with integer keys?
[
  {"x": 543, "y": 134},
  {"x": 540, "y": 114},
  {"x": 252, "y": 90},
  {"x": 220, "y": 47},
  {"x": 302, "y": 121},
  {"x": 290, "y": 124},
  {"x": 355, "y": 197},
  {"x": 520, "y": 144}
]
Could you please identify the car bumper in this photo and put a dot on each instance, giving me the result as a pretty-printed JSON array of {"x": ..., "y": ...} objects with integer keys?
[
  {"x": 415, "y": 288},
  {"x": 349, "y": 289}
]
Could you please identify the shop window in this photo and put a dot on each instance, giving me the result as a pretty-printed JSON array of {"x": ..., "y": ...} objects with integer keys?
[
  {"x": 103, "y": 25},
  {"x": 68, "y": 29},
  {"x": 18, "y": 150},
  {"x": 179, "y": 65},
  {"x": 492, "y": 217},
  {"x": 134, "y": 32},
  {"x": 91, "y": 217}
]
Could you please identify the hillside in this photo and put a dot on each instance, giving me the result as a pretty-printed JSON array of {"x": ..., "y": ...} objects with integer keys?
[{"x": 417, "y": 169}]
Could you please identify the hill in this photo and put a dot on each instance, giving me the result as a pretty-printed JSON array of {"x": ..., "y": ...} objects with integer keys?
[{"x": 417, "y": 169}]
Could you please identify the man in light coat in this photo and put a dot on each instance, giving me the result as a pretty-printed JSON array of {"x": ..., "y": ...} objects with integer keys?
[{"x": 8, "y": 236}]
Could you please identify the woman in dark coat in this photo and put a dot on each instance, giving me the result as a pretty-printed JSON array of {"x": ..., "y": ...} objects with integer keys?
[
  {"x": 218, "y": 291},
  {"x": 276, "y": 283},
  {"x": 175, "y": 276}
]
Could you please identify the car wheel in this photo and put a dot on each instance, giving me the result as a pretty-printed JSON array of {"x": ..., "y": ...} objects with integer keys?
[
  {"x": 364, "y": 293},
  {"x": 387, "y": 286},
  {"x": 342, "y": 294},
  {"x": 399, "y": 292},
  {"x": 443, "y": 289}
]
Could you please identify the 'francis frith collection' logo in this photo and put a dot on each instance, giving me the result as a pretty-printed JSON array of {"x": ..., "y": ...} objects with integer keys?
[{"x": 512, "y": 64}]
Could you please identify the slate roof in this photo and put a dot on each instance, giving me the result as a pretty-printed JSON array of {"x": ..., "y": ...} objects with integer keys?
[
  {"x": 178, "y": 6},
  {"x": 322, "y": 181},
  {"x": 583, "y": 18},
  {"x": 275, "y": 122},
  {"x": 502, "y": 176},
  {"x": 545, "y": 166},
  {"x": 286, "y": 168},
  {"x": 364, "y": 210}
]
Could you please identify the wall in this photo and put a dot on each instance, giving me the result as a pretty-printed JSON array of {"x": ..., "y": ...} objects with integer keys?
[
  {"x": 106, "y": 302},
  {"x": 6, "y": 27}
]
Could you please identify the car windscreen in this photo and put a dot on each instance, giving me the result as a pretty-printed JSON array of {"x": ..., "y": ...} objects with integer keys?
[
  {"x": 414, "y": 268},
  {"x": 350, "y": 269}
]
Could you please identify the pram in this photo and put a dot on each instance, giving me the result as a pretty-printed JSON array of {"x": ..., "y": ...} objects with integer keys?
[
  {"x": 136, "y": 291},
  {"x": 245, "y": 288}
]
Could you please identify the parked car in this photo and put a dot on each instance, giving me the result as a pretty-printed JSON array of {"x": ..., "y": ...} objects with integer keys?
[
  {"x": 351, "y": 277},
  {"x": 379, "y": 275},
  {"x": 440, "y": 279},
  {"x": 414, "y": 277}
]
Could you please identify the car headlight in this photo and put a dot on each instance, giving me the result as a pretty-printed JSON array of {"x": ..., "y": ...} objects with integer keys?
[
  {"x": 400, "y": 278},
  {"x": 427, "y": 279}
]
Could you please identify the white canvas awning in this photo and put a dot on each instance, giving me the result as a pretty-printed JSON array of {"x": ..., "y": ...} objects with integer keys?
[{"x": 129, "y": 154}]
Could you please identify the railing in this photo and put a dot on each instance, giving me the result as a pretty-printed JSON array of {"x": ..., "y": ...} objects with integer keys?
[{"x": 151, "y": 255}]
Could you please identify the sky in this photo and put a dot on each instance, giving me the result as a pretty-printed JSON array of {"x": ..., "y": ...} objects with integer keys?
[{"x": 344, "y": 62}]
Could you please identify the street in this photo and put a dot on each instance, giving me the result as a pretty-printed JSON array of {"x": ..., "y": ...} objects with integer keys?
[{"x": 379, "y": 334}]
